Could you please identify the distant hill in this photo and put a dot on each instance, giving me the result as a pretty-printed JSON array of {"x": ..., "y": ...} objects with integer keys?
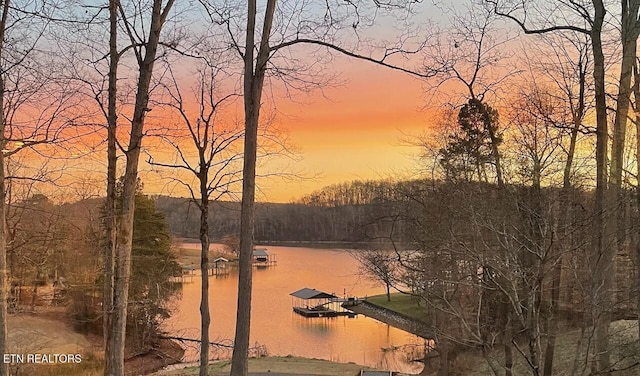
[
  {"x": 358, "y": 211},
  {"x": 274, "y": 221}
]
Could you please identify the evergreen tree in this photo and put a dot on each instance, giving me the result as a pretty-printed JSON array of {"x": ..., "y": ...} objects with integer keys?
[
  {"x": 471, "y": 148},
  {"x": 153, "y": 265}
]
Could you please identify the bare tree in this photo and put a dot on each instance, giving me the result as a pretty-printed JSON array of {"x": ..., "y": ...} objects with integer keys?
[
  {"x": 630, "y": 29},
  {"x": 589, "y": 20},
  {"x": 254, "y": 75},
  {"x": 378, "y": 265},
  {"x": 110, "y": 223},
  {"x": 535, "y": 134},
  {"x": 636, "y": 120},
  {"x": 567, "y": 73},
  {"x": 40, "y": 233},
  {"x": 24, "y": 86},
  {"x": 145, "y": 48},
  {"x": 468, "y": 55},
  {"x": 216, "y": 170}
]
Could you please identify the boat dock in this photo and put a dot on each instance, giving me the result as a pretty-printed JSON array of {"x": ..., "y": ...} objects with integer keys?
[
  {"x": 309, "y": 302},
  {"x": 263, "y": 258},
  {"x": 217, "y": 267},
  {"x": 321, "y": 312}
]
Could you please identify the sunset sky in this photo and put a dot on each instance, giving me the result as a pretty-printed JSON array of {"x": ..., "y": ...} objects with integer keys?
[
  {"x": 358, "y": 132},
  {"x": 354, "y": 129}
]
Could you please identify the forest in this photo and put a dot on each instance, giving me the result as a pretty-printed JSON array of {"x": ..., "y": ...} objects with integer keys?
[{"x": 125, "y": 122}]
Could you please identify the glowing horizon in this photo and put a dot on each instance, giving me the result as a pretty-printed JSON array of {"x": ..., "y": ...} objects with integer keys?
[{"x": 356, "y": 132}]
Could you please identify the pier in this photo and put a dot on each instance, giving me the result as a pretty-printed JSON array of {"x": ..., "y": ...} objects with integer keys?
[{"x": 218, "y": 267}]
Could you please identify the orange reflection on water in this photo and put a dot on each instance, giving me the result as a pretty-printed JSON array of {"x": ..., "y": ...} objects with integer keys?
[{"x": 343, "y": 339}]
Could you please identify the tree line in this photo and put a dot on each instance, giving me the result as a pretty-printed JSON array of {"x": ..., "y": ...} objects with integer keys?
[{"x": 338, "y": 213}]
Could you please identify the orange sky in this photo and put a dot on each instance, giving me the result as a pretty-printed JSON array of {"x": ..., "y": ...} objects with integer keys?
[
  {"x": 356, "y": 130},
  {"x": 355, "y": 133}
]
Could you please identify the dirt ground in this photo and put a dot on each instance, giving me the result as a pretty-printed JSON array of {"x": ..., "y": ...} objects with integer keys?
[
  {"x": 41, "y": 334},
  {"x": 50, "y": 332}
]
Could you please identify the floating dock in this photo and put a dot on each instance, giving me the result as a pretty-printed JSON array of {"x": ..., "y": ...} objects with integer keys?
[{"x": 325, "y": 312}]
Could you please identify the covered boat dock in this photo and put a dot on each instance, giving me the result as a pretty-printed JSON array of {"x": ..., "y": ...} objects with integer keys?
[
  {"x": 314, "y": 303},
  {"x": 262, "y": 257}
]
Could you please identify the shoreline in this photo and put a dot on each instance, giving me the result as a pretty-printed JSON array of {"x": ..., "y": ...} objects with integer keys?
[
  {"x": 168, "y": 353},
  {"x": 321, "y": 244},
  {"x": 328, "y": 244},
  {"x": 393, "y": 318}
]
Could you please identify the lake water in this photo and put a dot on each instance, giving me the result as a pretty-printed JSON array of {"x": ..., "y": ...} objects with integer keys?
[{"x": 274, "y": 325}]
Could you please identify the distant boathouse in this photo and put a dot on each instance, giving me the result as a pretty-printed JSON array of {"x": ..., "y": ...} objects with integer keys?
[{"x": 262, "y": 257}]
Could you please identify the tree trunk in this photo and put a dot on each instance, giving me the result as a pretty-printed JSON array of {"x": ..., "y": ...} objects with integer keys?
[
  {"x": 4, "y": 275},
  {"x": 4, "y": 278},
  {"x": 629, "y": 36},
  {"x": 125, "y": 231},
  {"x": 565, "y": 205},
  {"x": 636, "y": 92},
  {"x": 495, "y": 153},
  {"x": 508, "y": 351},
  {"x": 110, "y": 204},
  {"x": 608, "y": 198},
  {"x": 34, "y": 292},
  {"x": 638, "y": 241},
  {"x": 556, "y": 280},
  {"x": 205, "y": 318},
  {"x": 239, "y": 360},
  {"x": 615, "y": 218},
  {"x": 123, "y": 267},
  {"x": 600, "y": 257},
  {"x": 253, "y": 82}
]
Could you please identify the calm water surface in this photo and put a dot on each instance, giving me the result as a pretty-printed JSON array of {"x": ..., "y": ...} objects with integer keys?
[{"x": 361, "y": 340}]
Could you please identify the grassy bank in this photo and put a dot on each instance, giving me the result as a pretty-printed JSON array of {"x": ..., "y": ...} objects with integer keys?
[
  {"x": 401, "y": 303},
  {"x": 90, "y": 366},
  {"x": 276, "y": 364}
]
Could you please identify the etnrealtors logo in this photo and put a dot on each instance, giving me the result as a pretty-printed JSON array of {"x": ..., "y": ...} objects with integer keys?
[{"x": 36, "y": 358}]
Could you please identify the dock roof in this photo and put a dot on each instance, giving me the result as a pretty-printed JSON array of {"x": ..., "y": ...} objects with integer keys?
[
  {"x": 307, "y": 293},
  {"x": 261, "y": 252}
]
